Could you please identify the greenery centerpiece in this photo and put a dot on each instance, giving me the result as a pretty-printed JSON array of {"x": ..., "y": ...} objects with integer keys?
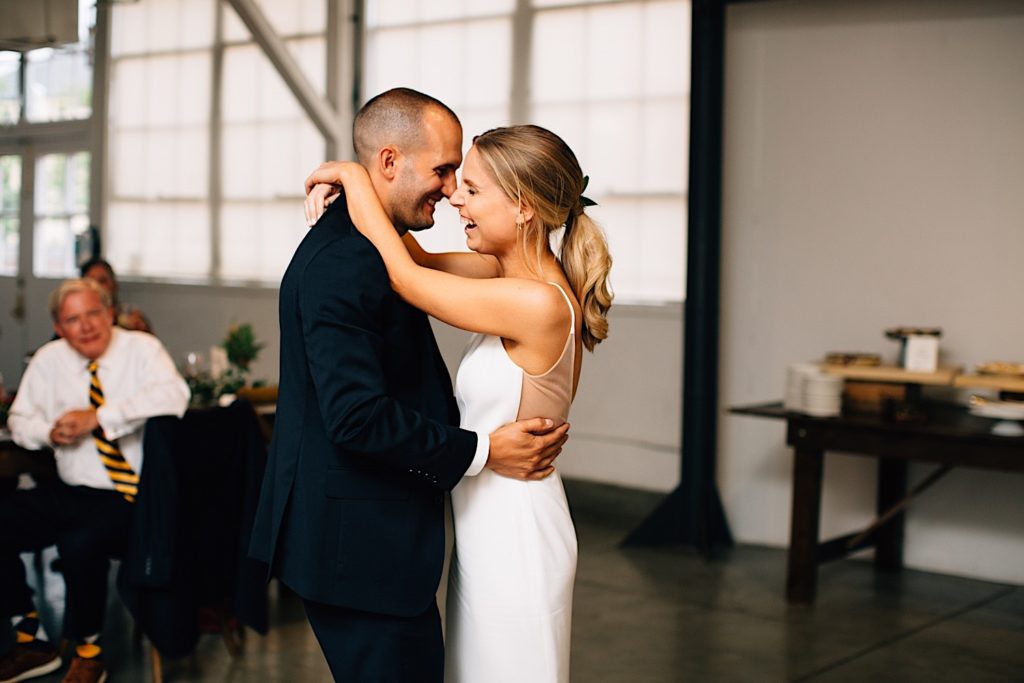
[{"x": 241, "y": 348}]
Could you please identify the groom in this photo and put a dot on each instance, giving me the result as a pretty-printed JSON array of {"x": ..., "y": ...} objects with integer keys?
[{"x": 365, "y": 438}]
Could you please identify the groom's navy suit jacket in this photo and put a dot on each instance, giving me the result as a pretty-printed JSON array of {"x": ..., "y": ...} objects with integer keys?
[{"x": 365, "y": 437}]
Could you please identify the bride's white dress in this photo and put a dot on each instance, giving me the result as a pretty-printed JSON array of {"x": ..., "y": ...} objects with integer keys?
[{"x": 509, "y": 603}]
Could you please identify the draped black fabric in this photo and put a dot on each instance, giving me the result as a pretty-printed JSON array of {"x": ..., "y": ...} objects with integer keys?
[{"x": 197, "y": 499}]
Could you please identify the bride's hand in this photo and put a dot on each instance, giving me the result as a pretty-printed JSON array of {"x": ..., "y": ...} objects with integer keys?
[
  {"x": 318, "y": 199},
  {"x": 364, "y": 207}
]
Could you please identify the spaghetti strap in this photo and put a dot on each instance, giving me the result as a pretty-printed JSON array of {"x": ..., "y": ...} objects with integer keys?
[{"x": 572, "y": 311}]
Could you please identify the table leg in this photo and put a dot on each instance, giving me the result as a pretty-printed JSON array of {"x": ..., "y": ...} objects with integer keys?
[
  {"x": 802, "y": 570},
  {"x": 892, "y": 487}
]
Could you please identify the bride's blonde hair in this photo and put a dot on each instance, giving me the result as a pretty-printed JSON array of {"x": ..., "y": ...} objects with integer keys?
[{"x": 534, "y": 166}]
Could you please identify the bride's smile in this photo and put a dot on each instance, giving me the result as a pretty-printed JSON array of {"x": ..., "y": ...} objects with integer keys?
[{"x": 488, "y": 215}]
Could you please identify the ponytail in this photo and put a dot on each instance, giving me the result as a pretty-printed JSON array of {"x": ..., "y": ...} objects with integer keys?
[
  {"x": 534, "y": 166},
  {"x": 586, "y": 262}
]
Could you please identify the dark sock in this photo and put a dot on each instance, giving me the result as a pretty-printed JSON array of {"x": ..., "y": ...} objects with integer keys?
[
  {"x": 29, "y": 632},
  {"x": 27, "y": 627}
]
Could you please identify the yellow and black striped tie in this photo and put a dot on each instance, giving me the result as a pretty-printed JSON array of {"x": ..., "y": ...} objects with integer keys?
[{"x": 126, "y": 481}]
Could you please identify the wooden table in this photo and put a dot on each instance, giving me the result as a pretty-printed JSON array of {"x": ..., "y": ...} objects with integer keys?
[{"x": 950, "y": 437}]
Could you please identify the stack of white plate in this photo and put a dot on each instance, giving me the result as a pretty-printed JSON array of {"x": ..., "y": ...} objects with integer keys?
[
  {"x": 809, "y": 390},
  {"x": 1009, "y": 413},
  {"x": 823, "y": 395},
  {"x": 1000, "y": 410},
  {"x": 796, "y": 375}
]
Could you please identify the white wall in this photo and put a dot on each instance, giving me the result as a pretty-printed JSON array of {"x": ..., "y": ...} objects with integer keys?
[
  {"x": 874, "y": 176},
  {"x": 194, "y": 318}
]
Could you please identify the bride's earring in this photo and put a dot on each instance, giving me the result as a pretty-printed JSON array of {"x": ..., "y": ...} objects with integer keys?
[{"x": 520, "y": 222}]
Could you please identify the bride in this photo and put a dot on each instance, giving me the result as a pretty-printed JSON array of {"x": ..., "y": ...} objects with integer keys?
[{"x": 510, "y": 587}]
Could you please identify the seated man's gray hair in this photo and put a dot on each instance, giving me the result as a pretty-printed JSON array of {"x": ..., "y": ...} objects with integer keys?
[{"x": 70, "y": 287}]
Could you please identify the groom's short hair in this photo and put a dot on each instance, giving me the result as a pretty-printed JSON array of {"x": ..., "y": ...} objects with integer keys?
[{"x": 393, "y": 117}]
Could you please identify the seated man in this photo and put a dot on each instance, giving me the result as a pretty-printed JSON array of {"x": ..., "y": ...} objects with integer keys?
[{"x": 87, "y": 395}]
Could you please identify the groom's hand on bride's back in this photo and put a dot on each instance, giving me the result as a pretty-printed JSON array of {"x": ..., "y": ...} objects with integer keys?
[{"x": 526, "y": 449}]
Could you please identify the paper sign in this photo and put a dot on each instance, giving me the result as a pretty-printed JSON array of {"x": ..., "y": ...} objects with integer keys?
[{"x": 921, "y": 353}]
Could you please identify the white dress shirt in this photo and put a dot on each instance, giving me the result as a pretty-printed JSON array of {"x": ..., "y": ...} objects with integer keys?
[
  {"x": 139, "y": 381},
  {"x": 483, "y": 451}
]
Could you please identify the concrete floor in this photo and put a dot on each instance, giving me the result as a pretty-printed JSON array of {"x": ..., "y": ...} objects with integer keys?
[{"x": 654, "y": 615}]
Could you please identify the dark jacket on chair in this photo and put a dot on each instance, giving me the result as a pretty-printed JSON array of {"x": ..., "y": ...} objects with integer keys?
[
  {"x": 193, "y": 518},
  {"x": 365, "y": 442}
]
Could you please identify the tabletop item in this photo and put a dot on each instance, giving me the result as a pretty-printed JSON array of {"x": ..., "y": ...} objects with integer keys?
[
  {"x": 898, "y": 333},
  {"x": 888, "y": 373},
  {"x": 999, "y": 410},
  {"x": 1001, "y": 367},
  {"x": 920, "y": 353},
  {"x": 811, "y": 391},
  {"x": 1010, "y": 386},
  {"x": 796, "y": 375},
  {"x": 857, "y": 358},
  {"x": 822, "y": 395},
  {"x": 872, "y": 398},
  {"x": 919, "y": 347}
]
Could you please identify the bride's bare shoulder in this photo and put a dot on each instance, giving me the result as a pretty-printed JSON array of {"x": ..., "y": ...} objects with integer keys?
[{"x": 545, "y": 303}]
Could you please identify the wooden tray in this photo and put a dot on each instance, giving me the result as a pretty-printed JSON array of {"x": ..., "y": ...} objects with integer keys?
[
  {"x": 889, "y": 373},
  {"x": 996, "y": 382}
]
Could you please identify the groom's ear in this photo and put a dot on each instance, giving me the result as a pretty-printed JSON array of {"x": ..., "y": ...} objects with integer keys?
[{"x": 387, "y": 162}]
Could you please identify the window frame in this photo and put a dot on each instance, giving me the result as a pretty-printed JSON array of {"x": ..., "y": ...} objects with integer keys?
[
  {"x": 522, "y": 16},
  {"x": 31, "y": 140},
  {"x": 347, "y": 19},
  {"x": 338, "y": 13}
]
